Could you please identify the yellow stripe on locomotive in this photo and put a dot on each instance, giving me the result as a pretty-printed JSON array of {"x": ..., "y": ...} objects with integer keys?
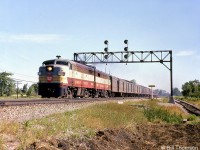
[{"x": 53, "y": 79}]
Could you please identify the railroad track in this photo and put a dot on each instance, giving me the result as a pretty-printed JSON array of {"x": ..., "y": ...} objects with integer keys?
[
  {"x": 189, "y": 107},
  {"x": 40, "y": 101},
  {"x": 52, "y": 101}
]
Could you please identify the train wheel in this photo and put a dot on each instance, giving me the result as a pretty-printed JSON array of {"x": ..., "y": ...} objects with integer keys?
[
  {"x": 69, "y": 94},
  {"x": 106, "y": 94},
  {"x": 86, "y": 94},
  {"x": 97, "y": 94}
]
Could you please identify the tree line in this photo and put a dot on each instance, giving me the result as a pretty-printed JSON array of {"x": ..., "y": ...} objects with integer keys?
[
  {"x": 8, "y": 86},
  {"x": 189, "y": 89}
]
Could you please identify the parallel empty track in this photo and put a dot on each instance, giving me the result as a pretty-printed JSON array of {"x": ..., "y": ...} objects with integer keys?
[{"x": 189, "y": 107}]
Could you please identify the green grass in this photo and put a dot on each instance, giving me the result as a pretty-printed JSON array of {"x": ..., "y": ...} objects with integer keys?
[
  {"x": 19, "y": 96},
  {"x": 192, "y": 100},
  {"x": 111, "y": 115},
  {"x": 9, "y": 127},
  {"x": 166, "y": 114},
  {"x": 84, "y": 122},
  {"x": 192, "y": 117},
  {"x": 154, "y": 114}
]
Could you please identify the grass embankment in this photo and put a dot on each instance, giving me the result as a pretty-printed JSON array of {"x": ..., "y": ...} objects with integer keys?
[{"x": 84, "y": 122}]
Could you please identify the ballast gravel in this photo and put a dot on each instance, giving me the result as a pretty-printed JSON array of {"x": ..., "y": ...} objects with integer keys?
[{"x": 27, "y": 112}]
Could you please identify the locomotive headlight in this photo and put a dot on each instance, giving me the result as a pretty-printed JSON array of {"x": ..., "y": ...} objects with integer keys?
[{"x": 49, "y": 68}]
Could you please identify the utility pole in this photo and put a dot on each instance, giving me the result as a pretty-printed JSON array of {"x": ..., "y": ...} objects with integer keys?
[{"x": 18, "y": 87}]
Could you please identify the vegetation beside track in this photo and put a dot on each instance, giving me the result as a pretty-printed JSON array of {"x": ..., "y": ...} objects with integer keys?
[
  {"x": 85, "y": 122},
  {"x": 193, "y": 100}
]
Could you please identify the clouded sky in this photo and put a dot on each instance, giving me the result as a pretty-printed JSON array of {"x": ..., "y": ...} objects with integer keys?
[{"x": 36, "y": 30}]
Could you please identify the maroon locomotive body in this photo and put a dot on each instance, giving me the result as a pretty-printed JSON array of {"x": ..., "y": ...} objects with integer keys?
[{"x": 66, "y": 78}]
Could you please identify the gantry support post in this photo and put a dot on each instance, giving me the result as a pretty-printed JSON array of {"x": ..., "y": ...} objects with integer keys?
[{"x": 171, "y": 99}]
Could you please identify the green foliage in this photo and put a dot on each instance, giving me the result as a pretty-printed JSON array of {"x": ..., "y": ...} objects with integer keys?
[
  {"x": 189, "y": 99},
  {"x": 162, "y": 93},
  {"x": 25, "y": 88},
  {"x": 111, "y": 115},
  {"x": 176, "y": 92},
  {"x": 32, "y": 91},
  {"x": 192, "y": 117},
  {"x": 191, "y": 89},
  {"x": 155, "y": 113},
  {"x": 7, "y": 85}
]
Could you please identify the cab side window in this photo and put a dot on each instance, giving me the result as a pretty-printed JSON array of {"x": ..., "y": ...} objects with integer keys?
[
  {"x": 70, "y": 66},
  {"x": 62, "y": 63}
]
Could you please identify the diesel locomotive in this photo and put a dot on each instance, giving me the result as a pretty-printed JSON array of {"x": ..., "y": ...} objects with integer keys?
[{"x": 66, "y": 78}]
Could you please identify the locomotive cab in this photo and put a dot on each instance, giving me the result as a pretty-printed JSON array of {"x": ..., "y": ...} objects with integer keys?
[{"x": 53, "y": 77}]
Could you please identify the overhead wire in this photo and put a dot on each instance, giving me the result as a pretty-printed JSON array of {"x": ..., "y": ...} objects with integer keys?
[
  {"x": 17, "y": 73},
  {"x": 16, "y": 79}
]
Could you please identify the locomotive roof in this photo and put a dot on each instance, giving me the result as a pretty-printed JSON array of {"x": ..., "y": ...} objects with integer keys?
[{"x": 54, "y": 60}]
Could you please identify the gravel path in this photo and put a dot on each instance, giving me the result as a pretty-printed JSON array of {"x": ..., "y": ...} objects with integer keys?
[{"x": 27, "y": 112}]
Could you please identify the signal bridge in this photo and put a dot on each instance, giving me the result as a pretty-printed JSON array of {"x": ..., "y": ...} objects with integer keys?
[{"x": 153, "y": 56}]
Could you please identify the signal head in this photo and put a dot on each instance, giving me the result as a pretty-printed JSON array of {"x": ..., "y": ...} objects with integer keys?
[
  {"x": 106, "y": 49},
  {"x": 106, "y": 56},
  {"x": 106, "y": 42},
  {"x": 125, "y": 41},
  {"x": 126, "y": 49},
  {"x": 126, "y": 56}
]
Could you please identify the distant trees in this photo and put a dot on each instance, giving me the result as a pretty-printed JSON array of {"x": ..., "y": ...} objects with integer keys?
[
  {"x": 25, "y": 89},
  {"x": 33, "y": 90},
  {"x": 133, "y": 81},
  {"x": 191, "y": 89},
  {"x": 176, "y": 92},
  {"x": 7, "y": 85},
  {"x": 161, "y": 93}
]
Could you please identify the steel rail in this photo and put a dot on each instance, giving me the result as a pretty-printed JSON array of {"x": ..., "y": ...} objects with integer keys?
[
  {"x": 189, "y": 107},
  {"x": 55, "y": 101},
  {"x": 42, "y": 101}
]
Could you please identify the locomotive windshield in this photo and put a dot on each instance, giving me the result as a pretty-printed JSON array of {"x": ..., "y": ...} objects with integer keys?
[
  {"x": 58, "y": 62},
  {"x": 48, "y": 62}
]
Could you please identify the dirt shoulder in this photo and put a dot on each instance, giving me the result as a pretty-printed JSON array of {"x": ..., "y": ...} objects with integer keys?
[{"x": 139, "y": 137}]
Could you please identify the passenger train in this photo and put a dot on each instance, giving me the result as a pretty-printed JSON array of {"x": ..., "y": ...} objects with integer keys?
[{"x": 66, "y": 78}]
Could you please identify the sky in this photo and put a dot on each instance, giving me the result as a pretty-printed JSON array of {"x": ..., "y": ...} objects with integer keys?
[{"x": 37, "y": 30}]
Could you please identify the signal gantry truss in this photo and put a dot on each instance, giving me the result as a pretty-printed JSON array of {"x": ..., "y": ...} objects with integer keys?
[
  {"x": 158, "y": 56},
  {"x": 125, "y": 57}
]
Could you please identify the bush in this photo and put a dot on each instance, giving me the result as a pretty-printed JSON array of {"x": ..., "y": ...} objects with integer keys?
[
  {"x": 192, "y": 117},
  {"x": 153, "y": 114}
]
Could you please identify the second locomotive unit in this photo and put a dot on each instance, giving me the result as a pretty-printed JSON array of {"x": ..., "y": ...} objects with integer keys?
[{"x": 66, "y": 78}]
